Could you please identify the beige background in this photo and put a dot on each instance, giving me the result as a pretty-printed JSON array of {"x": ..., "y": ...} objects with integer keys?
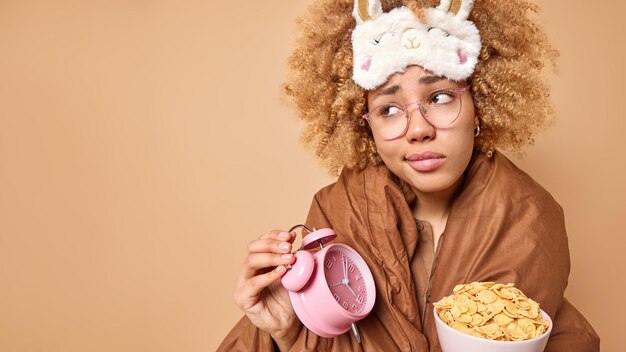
[{"x": 144, "y": 143}]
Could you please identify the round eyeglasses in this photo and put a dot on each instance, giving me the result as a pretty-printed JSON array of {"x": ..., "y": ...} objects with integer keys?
[{"x": 440, "y": 108}]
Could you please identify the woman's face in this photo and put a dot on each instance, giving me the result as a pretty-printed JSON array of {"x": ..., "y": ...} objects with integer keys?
[{"x": 429, "y": 159}]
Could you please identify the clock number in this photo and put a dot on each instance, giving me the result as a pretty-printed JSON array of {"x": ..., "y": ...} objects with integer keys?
[
  {"x": 328, "y": 263},
  {"x": 337, "y": 297},
  {"x": 361, "y": 289},
  {"x": 359, "y": 299},
  {"x": 345, "y": 305},
  {"x": 358, "y": 277},
  {"x": 354, "y": 307},
  {"x": 351, "y": 268}
]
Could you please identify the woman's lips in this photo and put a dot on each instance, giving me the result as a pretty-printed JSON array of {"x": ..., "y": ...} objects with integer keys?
[{"x": 426, "y": 161}]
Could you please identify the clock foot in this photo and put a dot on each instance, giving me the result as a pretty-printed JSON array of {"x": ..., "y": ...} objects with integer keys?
[{"x": 355, "y": 331}]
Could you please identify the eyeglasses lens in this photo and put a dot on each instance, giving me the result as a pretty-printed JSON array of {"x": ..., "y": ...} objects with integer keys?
[{"x": 440, "y": 108}]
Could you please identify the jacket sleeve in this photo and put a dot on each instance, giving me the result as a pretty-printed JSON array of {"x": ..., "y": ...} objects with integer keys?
[
  {"x": 544, "y": 274},
  {"x": 245, "y": 337},
  {"x": 572, "y": 332}
]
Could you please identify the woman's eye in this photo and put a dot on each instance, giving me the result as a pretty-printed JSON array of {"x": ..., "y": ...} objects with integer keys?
[
  {"x": 441, "y": 97},
  {"x": 389, "y": 110}
]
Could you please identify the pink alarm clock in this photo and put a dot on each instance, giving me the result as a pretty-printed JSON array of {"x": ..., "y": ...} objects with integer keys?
[{"x": 330, "y": 289}]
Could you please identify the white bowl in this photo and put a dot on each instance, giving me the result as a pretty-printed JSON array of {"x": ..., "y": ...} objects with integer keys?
[{"x": 452, "y": 340}]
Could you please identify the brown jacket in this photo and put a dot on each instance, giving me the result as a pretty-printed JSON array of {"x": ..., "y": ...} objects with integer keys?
[{"x": 502, "y": 227}]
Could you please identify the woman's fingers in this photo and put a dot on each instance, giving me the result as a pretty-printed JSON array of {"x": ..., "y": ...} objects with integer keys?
[
  {"x": 270, "y": 250},
  {"x": 257, "y": 261},
  {"x": 272, "y": 242},
  {"x": 250, "y": 289},
  {"x": 277, "y": 235},
  {"x": 248, "y": 294},
  {"x": 269, "y": 246}
]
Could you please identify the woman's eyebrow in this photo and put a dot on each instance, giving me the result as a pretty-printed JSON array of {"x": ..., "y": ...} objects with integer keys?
[
  {"x": 430, "y": 79},
  {"x": 389, "y": 90}
]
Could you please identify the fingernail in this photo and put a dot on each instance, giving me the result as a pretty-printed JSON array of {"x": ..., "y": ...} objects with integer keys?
[
  {"x": 280, "y": 269},
  {"x": 286, "y": 257},
  {"x": 284, "y": 235},
  {"x": 284, "y": 246}
]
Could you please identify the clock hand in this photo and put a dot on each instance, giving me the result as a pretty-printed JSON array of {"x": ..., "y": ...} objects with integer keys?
[
  {"x": 351, "y": 290},
  {"x": 345, "y": 280},
  {"x": 337, "y": 284}
]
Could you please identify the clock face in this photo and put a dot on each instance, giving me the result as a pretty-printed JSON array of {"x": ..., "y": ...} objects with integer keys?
[{"x": 345, "y": 280}]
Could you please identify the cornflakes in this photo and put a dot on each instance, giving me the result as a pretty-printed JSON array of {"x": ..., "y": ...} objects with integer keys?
[{"x": 492, "y": 311}]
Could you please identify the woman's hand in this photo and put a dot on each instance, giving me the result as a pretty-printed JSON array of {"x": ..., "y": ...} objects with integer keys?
[{"x": 259, "y": 292}]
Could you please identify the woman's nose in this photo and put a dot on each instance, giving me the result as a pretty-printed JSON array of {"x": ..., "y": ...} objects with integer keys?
[{"x": 419, "y": 129}]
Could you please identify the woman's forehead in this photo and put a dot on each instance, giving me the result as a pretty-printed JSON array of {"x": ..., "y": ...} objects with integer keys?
[{"x": 412, "y": 75}]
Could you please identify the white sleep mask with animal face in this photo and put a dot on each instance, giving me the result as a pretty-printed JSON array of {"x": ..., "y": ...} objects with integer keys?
[{"x": 383, "y": 43}]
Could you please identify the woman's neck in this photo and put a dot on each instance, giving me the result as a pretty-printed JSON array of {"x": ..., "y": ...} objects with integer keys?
[
  {"x": 431, "y": 209},
  {"x": 435, "y": 206}
]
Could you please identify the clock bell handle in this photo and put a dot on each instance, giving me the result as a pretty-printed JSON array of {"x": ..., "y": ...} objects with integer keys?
[
  {"x": 301, "y": 226},
  {"x": 355, "y": 331},
  {"x": 308, "y": 231}
]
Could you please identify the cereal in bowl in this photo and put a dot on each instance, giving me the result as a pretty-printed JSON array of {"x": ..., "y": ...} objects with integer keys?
[{"x": 492, "y": 311}]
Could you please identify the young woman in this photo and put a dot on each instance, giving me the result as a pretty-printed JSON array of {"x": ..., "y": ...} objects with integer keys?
[{"x": 408, "y": 102}]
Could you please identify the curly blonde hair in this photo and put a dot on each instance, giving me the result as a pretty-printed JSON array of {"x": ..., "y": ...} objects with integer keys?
[{"x": 509, "y": 88}]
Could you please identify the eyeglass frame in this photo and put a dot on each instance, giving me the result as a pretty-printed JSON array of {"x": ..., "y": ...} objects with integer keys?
[{"x": 458, "y": 92}]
